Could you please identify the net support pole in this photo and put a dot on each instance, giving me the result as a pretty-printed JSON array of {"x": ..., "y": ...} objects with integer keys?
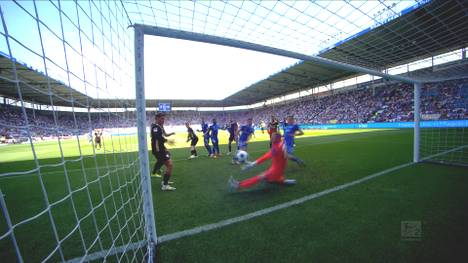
[
  {"x": 417, "y": 119},
  {"x": 148, "y": 210}
]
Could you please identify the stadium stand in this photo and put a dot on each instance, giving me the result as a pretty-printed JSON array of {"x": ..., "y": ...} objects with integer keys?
[{"x": 387, "y": 103}]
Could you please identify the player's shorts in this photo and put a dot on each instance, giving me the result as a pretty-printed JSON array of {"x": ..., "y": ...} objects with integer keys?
[
  {"x": 214, "y": 140},
  {"x": 242, "y": 144},
  {"x": 162, "y": 156},
  {"x": 274, "y": 176},
  {"x": 289, "y": 148},
  {"x": 194, "y": 141},
  {"x": 206, "y": 140},
  {"x": 232, "y": 137}
]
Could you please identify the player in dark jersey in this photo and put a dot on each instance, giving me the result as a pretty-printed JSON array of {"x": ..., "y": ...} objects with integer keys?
[
  {"x": 291, "y": 129},
  {"x": 273, "y": 127},
  {"x": 159, "y": 150},
  {"x": 97, "y": 139},
  {"x": 213, "y": 132},
  {"x": 233, "y": 129},
  {"x": 206, "y": 136},
  {"x": 193, "y": 138}
]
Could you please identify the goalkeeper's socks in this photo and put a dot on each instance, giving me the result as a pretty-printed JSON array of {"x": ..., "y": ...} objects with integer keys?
[{"x": 249, "y": 182}]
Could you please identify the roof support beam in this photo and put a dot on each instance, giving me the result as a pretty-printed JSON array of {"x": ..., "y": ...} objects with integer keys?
[{"x": 186, "y": 35}]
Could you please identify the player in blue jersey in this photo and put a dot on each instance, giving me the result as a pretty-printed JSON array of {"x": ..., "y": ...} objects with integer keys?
[
  {"x": 291, "y": 129},
  {"x": 245, "y": 133},
  {"x": 213, "y": 132},
  {"x": 206, "y": 136}
]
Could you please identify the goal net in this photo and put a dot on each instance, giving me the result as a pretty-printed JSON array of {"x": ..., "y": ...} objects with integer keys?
[
  {"x": 74, "y": 179},
  {"x": 70, "y": 177},
  {"x": 444, "y": 127}
]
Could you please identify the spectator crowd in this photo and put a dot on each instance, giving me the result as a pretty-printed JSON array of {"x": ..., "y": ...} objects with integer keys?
[{"x": 386, "y": 103}]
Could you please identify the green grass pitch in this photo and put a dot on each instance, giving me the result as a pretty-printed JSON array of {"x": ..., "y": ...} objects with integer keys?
[{"x": 360, "y": 223}]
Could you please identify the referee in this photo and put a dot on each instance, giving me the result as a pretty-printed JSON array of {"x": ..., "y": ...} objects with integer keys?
[{"x": 159, "y": 150}]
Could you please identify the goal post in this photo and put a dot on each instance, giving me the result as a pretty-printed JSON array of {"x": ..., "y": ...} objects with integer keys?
[
  {"x": 417, "y": 122},
  {"x": 75, "y": 187},
  {"x": 142, "y": 140}
]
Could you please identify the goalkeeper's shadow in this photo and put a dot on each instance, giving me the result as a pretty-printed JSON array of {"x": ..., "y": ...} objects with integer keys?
[{"x": 262, "y": 189}]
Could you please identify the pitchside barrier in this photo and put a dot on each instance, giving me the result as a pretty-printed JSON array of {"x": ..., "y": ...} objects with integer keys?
[
  {"x": 446, "y": 141},
  {"x": 390, "y": 125}
]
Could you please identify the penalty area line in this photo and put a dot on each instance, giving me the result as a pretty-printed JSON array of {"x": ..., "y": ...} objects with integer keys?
[
  {"x": 227, "y": 222},
  {"x": 223, "y": 223}
]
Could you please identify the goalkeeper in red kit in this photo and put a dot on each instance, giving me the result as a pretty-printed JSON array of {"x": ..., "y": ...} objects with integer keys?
[{"x": 274, "y": 174}]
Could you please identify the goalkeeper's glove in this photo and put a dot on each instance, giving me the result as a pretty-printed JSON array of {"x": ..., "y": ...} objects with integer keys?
[{"x": 248, "y": 165}]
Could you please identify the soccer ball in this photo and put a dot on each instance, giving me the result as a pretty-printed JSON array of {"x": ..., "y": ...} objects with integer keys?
[{"x": 241, "y": 156}]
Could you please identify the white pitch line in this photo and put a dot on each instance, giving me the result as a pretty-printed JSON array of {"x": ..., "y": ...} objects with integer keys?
[
  {"x": 269, "y": 210},
  {"x": 179, "y": 160},
  {"x": 223, "y": 223},
  {"x": 57, "y": 172},
  {"x": 301, "y": 145},
  {"x": 101, "y": 254},
  {"x": 227, "y": 222}
]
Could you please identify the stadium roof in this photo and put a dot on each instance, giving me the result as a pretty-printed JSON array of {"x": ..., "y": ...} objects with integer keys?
[
  {"x": 34, "y": 88},
  {"x": 428, "y": 30},
  {"x": 35, "y": 85}
]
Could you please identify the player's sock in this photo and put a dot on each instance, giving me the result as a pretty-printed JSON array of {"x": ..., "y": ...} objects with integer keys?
[
  {"x": 166, "y": 178},
  {"x": 249, "y": 182},
  {"x": 157, "y": 168},
  {"x": 296, "y": 159},
  {"x": 229, "y": 146},
  {"x": 208, "y": 148},
  {"x": 195, "y": 152}
]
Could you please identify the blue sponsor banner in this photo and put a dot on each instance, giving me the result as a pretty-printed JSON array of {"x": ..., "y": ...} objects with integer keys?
[{"x": 390, "y": 125}]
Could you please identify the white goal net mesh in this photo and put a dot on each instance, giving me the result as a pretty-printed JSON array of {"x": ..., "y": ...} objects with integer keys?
[{"x": 70, "y": 173}]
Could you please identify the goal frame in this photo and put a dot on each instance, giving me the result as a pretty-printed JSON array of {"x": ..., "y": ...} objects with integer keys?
[{"x": 142, "y": 29}]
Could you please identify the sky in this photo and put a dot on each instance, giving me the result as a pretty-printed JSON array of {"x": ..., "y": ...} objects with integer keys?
[{"x": 181, "y": 69}]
